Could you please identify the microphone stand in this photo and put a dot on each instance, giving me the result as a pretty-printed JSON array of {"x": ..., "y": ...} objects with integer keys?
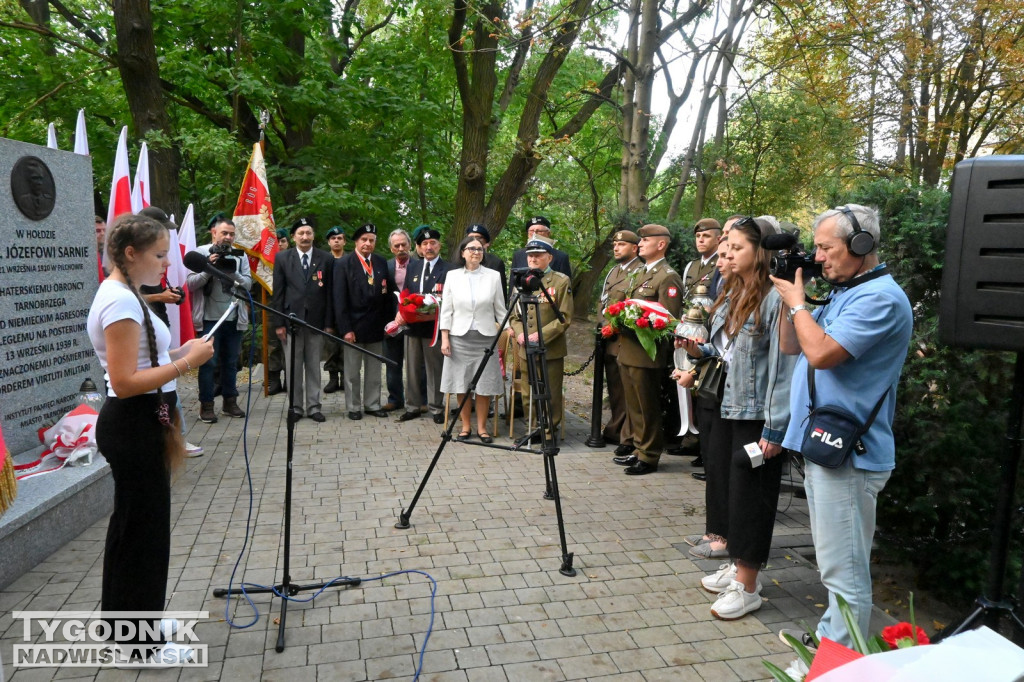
[
  {"x": 536, "y": 365},
  {"x": 286, "y": 588}
]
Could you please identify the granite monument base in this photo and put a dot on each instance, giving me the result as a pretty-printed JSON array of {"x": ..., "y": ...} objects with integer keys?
[{"x": 49, "y": 511}]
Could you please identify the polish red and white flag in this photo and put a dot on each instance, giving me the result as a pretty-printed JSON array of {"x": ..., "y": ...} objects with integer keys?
[{"x": 140, "y": 191}]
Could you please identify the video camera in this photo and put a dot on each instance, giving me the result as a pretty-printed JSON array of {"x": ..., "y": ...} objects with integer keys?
[
  {"x": 227, "y": 255},
  {"x": 791, "y": 256},
  {"x": 526, "y": 279}
]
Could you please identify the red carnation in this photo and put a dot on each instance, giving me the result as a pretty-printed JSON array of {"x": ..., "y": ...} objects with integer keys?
[
  {"x": 901, "y": 635},
  {"x": 607, "y": 331},
  {"x": 616, "y": 308},
  {"x": 659, "y": 323},
  {"x": 643, "y": 323}
]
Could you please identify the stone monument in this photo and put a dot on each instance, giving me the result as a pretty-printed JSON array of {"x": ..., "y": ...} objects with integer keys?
[{"x": 48, "y": 278}]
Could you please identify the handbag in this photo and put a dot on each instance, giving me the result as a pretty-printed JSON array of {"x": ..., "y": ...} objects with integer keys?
[
  {"x": 833, "y": 432},
  {"x": 707, "y": 382}
]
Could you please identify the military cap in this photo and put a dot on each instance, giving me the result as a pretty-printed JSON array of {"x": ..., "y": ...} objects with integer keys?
[
  {"x": 653, "y": 230},
  {"x": 302, "y": 222},
  {"x": 426, "y": 233},
  {"x": 539, "y": 245},
  {"x": 158, "y": 215},
  {"x": 281, "y": 233},
  {"x": 626, "y": 236},
  {"x": 538, "y": 220},
  {"x": 336, "y": 230},
  {"x": 477, "y": 228},
  {"x": 368, "y": 228},
  {"x": 706, "y": 224}
]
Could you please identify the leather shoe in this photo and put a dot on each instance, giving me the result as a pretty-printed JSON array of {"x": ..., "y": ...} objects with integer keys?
[
  {"x": 641, "y": 468},
  {"x": 698, "y": 462},
  {"x": 624, "y": 450},
  {"x": 439, "y": 418},
  {"x": 409, "y": 415},
  {"x": 625, "y": 461},
  {"x": 294, "y": 416},
  {"x": 699, "y": 476},
  {"x": 355, "y": 416},
  {"x": 318, "y": 417},
  {"x": 378, "y": 413},
  {"x": 391, "y": 407}
]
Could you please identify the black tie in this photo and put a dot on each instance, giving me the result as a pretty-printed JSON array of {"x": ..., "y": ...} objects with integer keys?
[
  {"x": 426, "y": 273},
  {"x": 305, "y": 263}
]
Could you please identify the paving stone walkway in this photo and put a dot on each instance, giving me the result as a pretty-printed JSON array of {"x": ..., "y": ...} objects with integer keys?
[{"x": 634, "y": 611}]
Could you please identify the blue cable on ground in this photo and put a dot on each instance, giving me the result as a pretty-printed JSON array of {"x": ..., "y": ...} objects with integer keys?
[{"x": 248, "y": 527}]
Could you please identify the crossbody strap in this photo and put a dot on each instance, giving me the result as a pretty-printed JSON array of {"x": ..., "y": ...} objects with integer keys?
[{"x": 871, "y": 417}]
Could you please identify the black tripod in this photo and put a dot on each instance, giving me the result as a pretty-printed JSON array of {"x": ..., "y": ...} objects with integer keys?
[
  {"x": 995, "y": 604},
  {"x": 286, "y": 588},
  {"x": 537, "y": 375}
]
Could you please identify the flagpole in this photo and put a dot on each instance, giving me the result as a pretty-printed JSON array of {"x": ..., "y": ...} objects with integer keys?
[{"x": 264, "y": 120}]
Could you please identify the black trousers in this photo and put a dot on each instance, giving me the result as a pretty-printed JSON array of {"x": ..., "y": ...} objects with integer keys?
[
  {"x": 715, "y": 444},
  {"x": 753, "y": 496},
  {"x": 138, "y": 546}
]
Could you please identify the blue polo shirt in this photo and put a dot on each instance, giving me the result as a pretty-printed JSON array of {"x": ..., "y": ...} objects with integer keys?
[{"x": 873, "y": 323}]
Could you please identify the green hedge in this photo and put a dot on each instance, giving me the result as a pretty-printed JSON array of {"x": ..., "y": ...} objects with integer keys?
[{"x": 937, "y": 510}]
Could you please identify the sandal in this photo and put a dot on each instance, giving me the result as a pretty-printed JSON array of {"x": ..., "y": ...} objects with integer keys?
[
  {"x": 485, "y": 437},
  {"x": 463, "y": 435}
]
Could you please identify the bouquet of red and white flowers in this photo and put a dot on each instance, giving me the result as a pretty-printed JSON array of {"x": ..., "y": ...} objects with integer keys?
[
  {"x": 649, "y": 320},
  {"x": 414, "y": 308}
]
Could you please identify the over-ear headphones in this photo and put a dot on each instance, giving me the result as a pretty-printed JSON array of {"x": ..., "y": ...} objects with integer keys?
[{"x": 859, "y": 242}]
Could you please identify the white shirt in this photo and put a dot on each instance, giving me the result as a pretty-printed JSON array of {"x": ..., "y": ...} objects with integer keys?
[{"x": 114, "y": 302}]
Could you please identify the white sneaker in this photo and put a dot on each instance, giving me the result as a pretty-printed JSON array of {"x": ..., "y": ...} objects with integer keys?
[
  {"x": 193, "y": 450},
  {"x": 168, "y": 626},
  {"x": 720, "y": 579},
  {"x": 735, "y": 602}
]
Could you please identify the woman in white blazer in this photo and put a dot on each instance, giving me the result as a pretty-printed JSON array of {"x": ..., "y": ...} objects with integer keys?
[{"x": 472, "y": 309}]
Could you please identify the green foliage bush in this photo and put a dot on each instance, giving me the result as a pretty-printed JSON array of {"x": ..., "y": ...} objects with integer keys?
[{"x": 937, "y": 509}]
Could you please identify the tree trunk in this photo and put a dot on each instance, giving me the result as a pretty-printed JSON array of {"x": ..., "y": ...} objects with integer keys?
[
  {"x": 628, "y": 93},
  {"x": 477, "y": 80},
  {"x": 639, "y": 149},
  {"x": 140, "y": 75}
]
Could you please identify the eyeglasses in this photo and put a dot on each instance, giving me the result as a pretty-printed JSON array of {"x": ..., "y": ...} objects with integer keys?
[{"x": 473, "y": 248}]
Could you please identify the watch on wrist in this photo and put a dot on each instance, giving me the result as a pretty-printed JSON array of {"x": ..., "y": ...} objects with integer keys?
[{"x": 794, "y": 310}]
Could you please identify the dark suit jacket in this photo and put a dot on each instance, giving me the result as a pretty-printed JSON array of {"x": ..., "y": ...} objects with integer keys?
[
  {"x": 308, "y": 297},
  {"x": 494, "y": 263},
  {"x": 559, "y": 262},
  {"x": 416, "y": 285},
  {"x": 359, "y": 306}
]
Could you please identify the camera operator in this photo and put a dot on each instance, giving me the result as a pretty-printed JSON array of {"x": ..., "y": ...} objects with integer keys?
[
  {"x": 855, "y": 344},
  {"x": 209, "y": 301}
]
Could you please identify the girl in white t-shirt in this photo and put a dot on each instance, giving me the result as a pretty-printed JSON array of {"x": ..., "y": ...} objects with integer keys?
[{"x": 137, "y": 427}]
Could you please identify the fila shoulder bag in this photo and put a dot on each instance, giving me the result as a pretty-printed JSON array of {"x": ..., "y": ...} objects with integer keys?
[{"x": 832, "y": 431}]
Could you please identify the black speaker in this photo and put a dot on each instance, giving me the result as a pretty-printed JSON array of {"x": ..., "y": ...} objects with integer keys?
[{"x": 982, "y": 303}]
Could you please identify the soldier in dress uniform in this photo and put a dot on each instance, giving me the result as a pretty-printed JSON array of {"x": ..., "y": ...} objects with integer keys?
[
  {"x": 641, "y": 376},
  {"x": 361, "y": 309},
  {"x": 334, "y": 364},
  {"x": 624, "y": 249},
  {"x": 539, "y": 254},
  {"x": 706, "y": 234}
]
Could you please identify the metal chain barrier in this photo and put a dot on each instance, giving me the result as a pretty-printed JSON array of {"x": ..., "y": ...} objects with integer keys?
[{"x": 583, "y": 366}]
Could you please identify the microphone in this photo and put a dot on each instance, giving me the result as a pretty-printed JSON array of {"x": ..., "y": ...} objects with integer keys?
[
  {"x": 197, "y": 262},
  {"x": 774, "y": 242}
]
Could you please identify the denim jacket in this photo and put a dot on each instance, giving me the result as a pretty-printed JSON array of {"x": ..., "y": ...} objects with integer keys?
[{"x": 758, "y": 378}]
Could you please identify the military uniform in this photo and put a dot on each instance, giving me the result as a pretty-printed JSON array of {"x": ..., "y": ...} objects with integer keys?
[
  {"x": 641, "y": 376},
  {"x": 695, "y": 273},
  {"x": 617, "y": 429},
  {"x": 553, "y": 334}
]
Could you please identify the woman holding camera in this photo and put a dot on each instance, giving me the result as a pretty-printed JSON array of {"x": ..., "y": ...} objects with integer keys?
[
  {"x": 755, "y": 413},
  {"x": 471, "y": 310}
]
